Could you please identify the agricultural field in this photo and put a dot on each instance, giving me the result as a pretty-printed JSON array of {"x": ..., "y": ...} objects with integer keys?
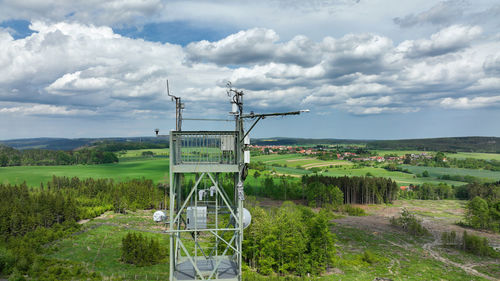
[
  {"x": 484, "y": 156},
  {"x": 299, "y": 161},
  {"x": 138, "y": 153},
  {"x": 150, "y": 168},
  {"x": 296, "y": 165},
  {"x": 440, "y": 171}
]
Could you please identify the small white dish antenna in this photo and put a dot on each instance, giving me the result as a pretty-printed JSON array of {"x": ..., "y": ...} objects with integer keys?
[
  {"x": 247, "y": 218},
  {"x": 159, "y": 216}
]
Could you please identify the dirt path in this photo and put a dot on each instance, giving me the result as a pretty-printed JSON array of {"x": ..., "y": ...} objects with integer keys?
[{"x": 465, "y": 267}]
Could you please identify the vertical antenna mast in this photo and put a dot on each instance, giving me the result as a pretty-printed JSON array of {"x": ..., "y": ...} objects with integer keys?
[{"x": 179, "y": 106}]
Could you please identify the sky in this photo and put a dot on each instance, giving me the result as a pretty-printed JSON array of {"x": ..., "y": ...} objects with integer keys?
[{"x": 365, "y": 69}]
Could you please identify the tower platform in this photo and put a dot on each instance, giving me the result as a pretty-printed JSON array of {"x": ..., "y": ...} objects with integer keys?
[{"x": 227, "y": 271}]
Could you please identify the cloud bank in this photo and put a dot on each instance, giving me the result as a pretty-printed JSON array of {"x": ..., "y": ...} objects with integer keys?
[{"x": 90, "y": 69}]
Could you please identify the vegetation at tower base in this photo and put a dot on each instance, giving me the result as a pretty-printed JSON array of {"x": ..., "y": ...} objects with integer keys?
[
  {"x": 357, "y": 190},
  {"x": 291, "y": 239},
  {"x": 141, "y": 251}
]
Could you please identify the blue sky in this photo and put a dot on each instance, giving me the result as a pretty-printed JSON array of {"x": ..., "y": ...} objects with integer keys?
[{"x": 96, "y": 69}]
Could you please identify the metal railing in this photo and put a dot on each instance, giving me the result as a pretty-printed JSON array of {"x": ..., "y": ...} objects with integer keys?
[{"x": 202, "y": 147}]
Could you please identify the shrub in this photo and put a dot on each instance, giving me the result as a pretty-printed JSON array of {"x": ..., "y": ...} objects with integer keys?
[
  {"x": 409, "y": 223},
  {"x": 138, "y": 250},
  {"x": 449, "y": 238},
  {"x": 369, "y": 257},
  {"x": 478, "y": 245},
  {"x": 353, "y": 211}
]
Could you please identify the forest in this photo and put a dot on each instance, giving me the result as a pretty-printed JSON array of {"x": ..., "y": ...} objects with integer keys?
[
  {"x": 453, "y": 144},
  {"x": 428, "y": 191},
  {"x": 31, "y": 218},
  {"x": 357, "y": 190},
  {"x": 114, "y": 146},
  {"x": 290, "y": 240},
  {"x": 42, "y": 157}
]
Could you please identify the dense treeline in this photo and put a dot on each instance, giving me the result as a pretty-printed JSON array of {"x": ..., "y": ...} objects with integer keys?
[
  {"x": 357, "y": 190},
  {"x": 111, "y": 146},
  {"x": 289, "y": 240},
  {"x": 483, "y": 209},
  {"x": 465, "y": 144},
  {"x": 320, "y": 195},
  {"x": 24, "y": 211},
  {"x": 64, "y": 199},
  {"x": 72, "y": 144},
  {"x": 41, "y": 157},
  {"x": 31, "y": 218},
  {"x": 428, "y": 191},
  {"x": 276, "y": 188}
]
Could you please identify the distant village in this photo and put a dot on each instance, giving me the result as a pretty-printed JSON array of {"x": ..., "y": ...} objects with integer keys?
[{"x": 344, "y": 155}]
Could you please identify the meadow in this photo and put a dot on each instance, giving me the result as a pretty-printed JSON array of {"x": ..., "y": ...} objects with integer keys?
[
  {"x": 98, "y": 246},
  {"x": 150, "y": 168}
]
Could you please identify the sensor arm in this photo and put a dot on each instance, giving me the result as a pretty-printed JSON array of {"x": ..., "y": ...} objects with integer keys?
[{"x": 264, "y": 115}]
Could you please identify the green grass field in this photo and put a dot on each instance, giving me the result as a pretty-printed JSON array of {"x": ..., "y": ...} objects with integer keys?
[
  {"x": 138, "y": 153},
  {"x": 99, "y": 248},
  {"x": 149, "y": 168},
  {"x": 485, "y": 156},
  {"x": 439, "y": 171}
]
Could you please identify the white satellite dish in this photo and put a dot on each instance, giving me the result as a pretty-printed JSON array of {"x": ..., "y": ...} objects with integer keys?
[
  {"x": 159, "y": 216},
  {"x": 247, "y": 218}
]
